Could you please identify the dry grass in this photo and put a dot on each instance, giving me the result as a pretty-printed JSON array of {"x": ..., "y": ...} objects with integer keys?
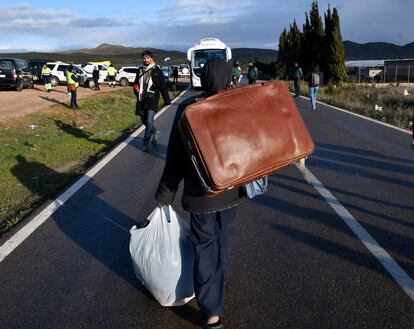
[{"x": 396, "y": 109}]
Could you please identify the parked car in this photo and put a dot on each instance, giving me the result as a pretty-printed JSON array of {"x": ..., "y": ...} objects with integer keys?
[
  {"x": 126, "y": 75},
  {"x": 14, "y": 73},
  {"x": 35, "y": 67},
  {"x": 183, "y": 70},
  {"x": 59, "y": 74},
  {"x": 103, "y": 69}
]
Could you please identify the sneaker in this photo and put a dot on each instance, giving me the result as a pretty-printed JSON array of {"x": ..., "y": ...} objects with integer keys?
[
  {"x": 314, "y": 108},
  {"x": 216, "y": 325},
  {"x": 156, "y": 137},
  {"x": 145, "y": 147}
]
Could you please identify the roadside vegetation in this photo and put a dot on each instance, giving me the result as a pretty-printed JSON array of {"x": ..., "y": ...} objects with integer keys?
[
  {"x": 42, "y": 153},
  {"x": 384, "y": 103}
]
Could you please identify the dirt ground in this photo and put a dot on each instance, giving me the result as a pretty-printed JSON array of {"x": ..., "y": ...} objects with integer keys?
[{"x": 17, "y": 104}]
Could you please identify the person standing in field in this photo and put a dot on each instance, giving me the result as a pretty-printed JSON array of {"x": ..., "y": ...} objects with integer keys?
[
  {"x": 175, "y": 75},
  {"x": 111, "y": 75},
  {"x": 73, "y": 84},
  {"x": 95, "y": 75},
  {"x": 313, "y": 78},
  {"x": 47, "y": 77},
  {"x": 297, "y": 77}
]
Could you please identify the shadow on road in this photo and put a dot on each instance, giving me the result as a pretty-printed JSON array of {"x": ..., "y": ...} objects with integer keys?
[
  {"x": 95, "y": 229},
  {"x": 346, "y": 204},
  {"x": 400, "y": 245}
]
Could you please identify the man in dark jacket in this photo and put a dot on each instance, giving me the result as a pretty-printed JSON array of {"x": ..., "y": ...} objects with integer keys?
[
  {"x": 212, "y": 218},
  {"x": 149, "y": 83},
  {"x": 95, "y": 75},
  {"x": 252, "y": 73},
  {"x": 297, "y": 77}
]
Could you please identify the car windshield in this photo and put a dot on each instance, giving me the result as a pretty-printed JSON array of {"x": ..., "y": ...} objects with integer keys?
[{"x": 201, "y": 57}]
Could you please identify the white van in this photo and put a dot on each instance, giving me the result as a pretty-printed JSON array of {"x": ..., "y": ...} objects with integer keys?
[
  {"x": 126, "y": 75},
  {"x": 59, "y": 74}
]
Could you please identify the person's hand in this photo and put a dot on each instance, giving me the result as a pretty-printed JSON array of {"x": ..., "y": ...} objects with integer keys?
[{"x": 160, "y": 204}]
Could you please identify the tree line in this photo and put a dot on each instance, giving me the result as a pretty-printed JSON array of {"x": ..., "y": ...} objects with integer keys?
[{"x": 317, "y": 43}]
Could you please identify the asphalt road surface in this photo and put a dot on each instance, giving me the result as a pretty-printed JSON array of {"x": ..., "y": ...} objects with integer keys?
[{"x": 298, "y": 259}]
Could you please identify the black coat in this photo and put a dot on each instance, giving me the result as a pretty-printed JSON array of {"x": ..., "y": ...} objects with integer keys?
[
  {"x": 178, "y": 166},
  {"x": 159, "y": 86},
  {"x": 95, "y": 74}
]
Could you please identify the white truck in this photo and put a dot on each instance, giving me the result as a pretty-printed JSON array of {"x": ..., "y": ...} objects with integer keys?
[{"x": 201, "y": 53}]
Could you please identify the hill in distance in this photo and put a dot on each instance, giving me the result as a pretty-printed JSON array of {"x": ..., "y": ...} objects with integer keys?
[
  {"x": 377, "y": 50},
  {"x": 124, "y": 56}
]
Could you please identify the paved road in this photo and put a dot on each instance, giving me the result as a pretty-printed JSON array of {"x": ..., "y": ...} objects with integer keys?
[{"x": 295, "y": 264}]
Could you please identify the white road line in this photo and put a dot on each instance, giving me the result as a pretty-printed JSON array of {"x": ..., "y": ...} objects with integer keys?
[
  {"x": 392, "y": 267},
  {"x": 12, "y": 243},
  {"x": 362, "y": 116}
]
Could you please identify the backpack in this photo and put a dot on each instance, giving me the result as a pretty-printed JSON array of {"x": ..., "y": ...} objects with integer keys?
[{"x": 315, "y": 80}]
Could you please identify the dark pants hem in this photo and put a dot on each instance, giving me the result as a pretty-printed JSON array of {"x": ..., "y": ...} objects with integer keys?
[{"x": 211, "y": 237}]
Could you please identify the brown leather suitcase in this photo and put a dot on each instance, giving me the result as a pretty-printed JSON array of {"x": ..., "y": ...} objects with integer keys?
[{"x": 242, "y": 134}]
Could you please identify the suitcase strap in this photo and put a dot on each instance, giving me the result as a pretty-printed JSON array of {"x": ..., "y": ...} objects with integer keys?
[{"x": 302, "y": 169}]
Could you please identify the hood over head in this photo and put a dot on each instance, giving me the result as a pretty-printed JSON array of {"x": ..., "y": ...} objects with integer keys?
[{"x": 215, "y": 76}]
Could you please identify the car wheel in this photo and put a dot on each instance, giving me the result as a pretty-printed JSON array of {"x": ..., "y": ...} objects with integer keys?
[
  {"x": 90, "y": 83},
  {"x": 124, "y": 82},
  {"x": 19, "y": 85},
  {"x": 54, "y": 81}
]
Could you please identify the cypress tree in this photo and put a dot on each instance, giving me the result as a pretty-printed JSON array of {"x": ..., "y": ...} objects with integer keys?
[
  {"x": 295, "y": 40},
  {"x": 306, "y": 44},
  {"x": 316, "y": 34},
  {"x": 337, "y": 62}
]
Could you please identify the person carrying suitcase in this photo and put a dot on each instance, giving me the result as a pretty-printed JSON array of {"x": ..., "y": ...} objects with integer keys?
[{"x": 212, "y": 218}]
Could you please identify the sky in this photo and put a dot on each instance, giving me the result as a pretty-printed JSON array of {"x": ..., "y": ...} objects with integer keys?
[{"x": 46, "y": 25}]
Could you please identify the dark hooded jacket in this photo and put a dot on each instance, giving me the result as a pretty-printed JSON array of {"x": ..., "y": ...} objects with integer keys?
[{"x": 216, "y": 75}]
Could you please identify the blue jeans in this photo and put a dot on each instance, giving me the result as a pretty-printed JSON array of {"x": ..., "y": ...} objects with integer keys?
[
  {"x": 211, "y": 237},
  {"x": 313, "y": 92},
  {"x": 149, "y": 125}
]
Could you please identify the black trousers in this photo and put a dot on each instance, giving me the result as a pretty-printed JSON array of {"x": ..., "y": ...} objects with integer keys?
[
  {"x": 73, "y": 99},
  {"x": 296, "y": 82},
  {"x": 211, "y": 237}
]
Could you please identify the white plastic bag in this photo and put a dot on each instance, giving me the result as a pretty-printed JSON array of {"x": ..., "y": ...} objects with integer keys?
[{"x": 163, "y": 258}]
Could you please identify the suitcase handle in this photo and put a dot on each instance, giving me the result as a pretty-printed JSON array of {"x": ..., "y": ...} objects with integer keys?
[{"x": 203, "y": 182}]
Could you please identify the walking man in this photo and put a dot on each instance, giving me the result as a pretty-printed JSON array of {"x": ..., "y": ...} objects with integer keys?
[
  {"x": 252, "y": 73},
  {"x": 212, "y": 218},
  {"x": 236, "y": 73},
  {"x": 313, "y": 79},
  {"x": 149, "y": 83},
  {"x": 297, "y": 77}
]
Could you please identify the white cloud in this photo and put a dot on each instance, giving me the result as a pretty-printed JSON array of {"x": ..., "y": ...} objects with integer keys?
[{"x": 180, "y": 23}]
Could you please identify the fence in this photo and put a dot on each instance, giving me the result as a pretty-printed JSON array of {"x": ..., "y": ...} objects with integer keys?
[{"x": 390, "y": 73}]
